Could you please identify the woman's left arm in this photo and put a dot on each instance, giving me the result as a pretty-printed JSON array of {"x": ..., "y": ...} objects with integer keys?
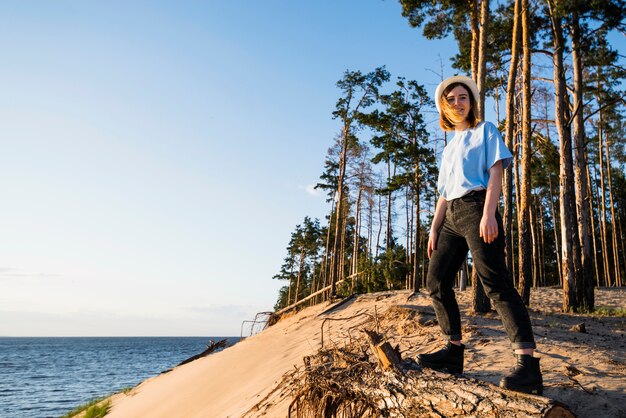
[{"x": 488, "y": 224}]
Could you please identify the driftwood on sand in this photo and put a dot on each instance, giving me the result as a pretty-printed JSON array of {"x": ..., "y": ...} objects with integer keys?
[
  {"x": 349, "y": 382},
  {"x": 211, "y": 347}
]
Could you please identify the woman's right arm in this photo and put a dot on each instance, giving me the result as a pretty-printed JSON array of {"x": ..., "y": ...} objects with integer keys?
[{"x": 440, "y": 214}]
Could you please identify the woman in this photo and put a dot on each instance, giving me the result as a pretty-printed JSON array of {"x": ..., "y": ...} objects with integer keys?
[{"x": 466, "y": 218}]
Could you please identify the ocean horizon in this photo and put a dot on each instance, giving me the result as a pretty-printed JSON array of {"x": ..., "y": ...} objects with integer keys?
[{"x": 49, "y": 376}]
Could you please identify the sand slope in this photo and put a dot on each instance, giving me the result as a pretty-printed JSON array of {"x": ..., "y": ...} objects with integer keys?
[{"x": 586, "y": 371}]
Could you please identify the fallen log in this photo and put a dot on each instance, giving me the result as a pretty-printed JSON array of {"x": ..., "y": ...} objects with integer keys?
[
  {"x": 346, "y": 383},
  {"x": 210, "y": 348}
]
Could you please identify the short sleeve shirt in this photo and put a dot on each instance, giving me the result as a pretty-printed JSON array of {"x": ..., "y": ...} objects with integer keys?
[{"x": 467, "y": 159}]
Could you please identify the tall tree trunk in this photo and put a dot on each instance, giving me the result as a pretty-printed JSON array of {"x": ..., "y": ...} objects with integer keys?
[
  {"x": 507, "y": 188},
  {"x": 344, "y": 234},
  {"x": 618, "y": 279},
  {"x": 480, "y": 302},
  {"x": 388, "y": 221},
  {"x": 474, "y": 21},
  {"x": 337, "y": 256},
  {"x": 603, "y": 230},
  {"x": 370, "y": 237},
  {"x": 370, "y": 225},
  {"x": 300, "y": 265},
  {"x": 313, "y": 283},
  {"x": 326, "y": 269},
  {"x": 523, "y": 215},
  {"x": 482, "y": 52},
  {"x": 556, "y": 233},
  {"x": 569, "y": 230},
  {"x": 621, "y": 236},
  {"x": 584, "y": 287},
  {"x": 592, "y": 202},
  {"x": 542, "y": 246},
  {"x": 515, "y": 238},
  {"x": 534, "y": 244},
  {"x": 463, "y": 276},
  {"x": 380, "y": 222},
  {"x": 357, "y": 235},
  {"x": 417, "y": 229},
  {"x": 290, "y": 282},
  {"x": 408, "y": 284},
  {"x": 424, "y": 258}
]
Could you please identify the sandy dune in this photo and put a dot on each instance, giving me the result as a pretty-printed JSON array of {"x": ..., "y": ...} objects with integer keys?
[{"x": 586, "y": 371}]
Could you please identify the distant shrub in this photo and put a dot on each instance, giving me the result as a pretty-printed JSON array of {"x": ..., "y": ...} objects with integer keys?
[{"x": 610, "y": 311}]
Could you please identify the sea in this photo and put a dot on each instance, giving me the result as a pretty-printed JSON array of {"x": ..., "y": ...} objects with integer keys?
[{"x": 48, "y": 377}]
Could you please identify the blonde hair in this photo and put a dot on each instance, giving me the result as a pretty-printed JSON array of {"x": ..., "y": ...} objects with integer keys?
[{"x": 447, "y": 115}]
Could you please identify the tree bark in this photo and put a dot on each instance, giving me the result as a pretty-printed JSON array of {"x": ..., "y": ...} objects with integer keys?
[
  {"x": 592, "y": 202},
  {"x": 584, "y": 287},
  {"x": 539, "y": 220},
  {"x": 388, "y": 232},
  {"x": 357, "y": 235},
  {"x": 603, "y": 230},
  {"x": 534, "y": 240},
  {"x": 327, "y": 261},
  {"x": 569, "y": 231},
  {"x": 408, "y": 283},
  {"x": 556, "y": 222},
  {"x": 621, "y": 235},
  {"x": 618, "y": 279},
  {"x": 515, "y": 238},
  {"x": 507, "y": 187},
  {"x": 417, "y": 230},
  {"x": 480, "y": 302},
  {"x": 210, "y": 348},
  {"x": 339, "y": 383},
  {"x": 344, "y": 235},
  {"x": 336, "y": 255},
  {"x": 474, "y": 23},
  {"x": 290, "y": 281},
  {"x": 463, "y": 276},
  {"x": 523, "y": 215},
  {"x": 482, "y": 52},
  {"x": 300, "y": 265},
  {"x": 380, "y": 223}
]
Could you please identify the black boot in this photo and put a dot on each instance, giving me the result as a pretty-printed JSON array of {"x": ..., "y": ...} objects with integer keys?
[
  {"x": 450, "y": 357},
  {"x": 526, "y": 377}
]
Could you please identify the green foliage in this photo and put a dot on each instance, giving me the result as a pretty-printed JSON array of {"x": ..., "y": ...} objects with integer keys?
[
  {"x": 359, "y": 91},
  {"x": 302, "y": 259},
  {"x": 392, "y": 268},
  {"x": 281, "y": 302},
  {"x": 610, "y": 311},
  {"x": 96, "y": 408},
  {"x": 438, "y": 18},
  {"x": 401, "y": 138},
  {"x": 99, "y": 410}
]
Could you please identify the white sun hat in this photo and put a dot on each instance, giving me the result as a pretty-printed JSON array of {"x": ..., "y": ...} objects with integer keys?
[{"x": 468, "y": 82}]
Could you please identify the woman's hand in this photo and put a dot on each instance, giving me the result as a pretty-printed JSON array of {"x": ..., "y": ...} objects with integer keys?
[
  {"x": 440, "y": 214},
  {"x": 488, "y": 228},
  {"x": 488, "y": 224},
  {"x": 432, "y": 243}
]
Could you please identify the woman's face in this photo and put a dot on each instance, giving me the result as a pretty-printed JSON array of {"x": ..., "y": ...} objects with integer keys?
[{"x": 459, "y": 101}]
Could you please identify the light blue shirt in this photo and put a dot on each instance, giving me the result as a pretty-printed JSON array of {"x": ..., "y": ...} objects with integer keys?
[{"x": 467, "y": 159}]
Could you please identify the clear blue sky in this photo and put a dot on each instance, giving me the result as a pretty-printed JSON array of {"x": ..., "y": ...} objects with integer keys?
[{"x": 155, "y": 156}]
